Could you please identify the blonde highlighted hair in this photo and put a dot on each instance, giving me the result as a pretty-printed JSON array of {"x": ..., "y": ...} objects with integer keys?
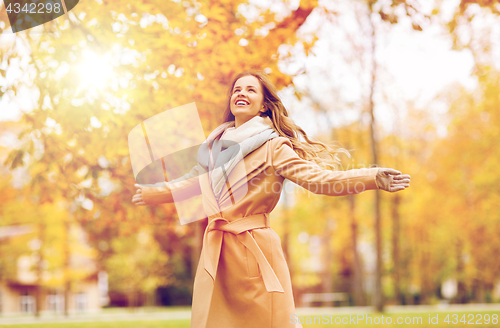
[{"x": 311, "y": 150}]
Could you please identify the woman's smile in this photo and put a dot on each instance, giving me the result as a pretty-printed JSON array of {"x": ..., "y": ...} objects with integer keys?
[{"x": 242, "y": 102}]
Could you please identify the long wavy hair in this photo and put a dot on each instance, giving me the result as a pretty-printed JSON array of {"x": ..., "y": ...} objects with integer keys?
[{"x": 311, "y": 150}]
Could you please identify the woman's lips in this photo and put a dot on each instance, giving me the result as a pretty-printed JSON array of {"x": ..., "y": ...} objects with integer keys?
[{"x": 242, "y": 102}]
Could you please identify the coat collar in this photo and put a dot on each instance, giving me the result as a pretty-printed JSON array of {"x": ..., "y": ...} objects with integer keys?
[{"x": 250, "y": 166}]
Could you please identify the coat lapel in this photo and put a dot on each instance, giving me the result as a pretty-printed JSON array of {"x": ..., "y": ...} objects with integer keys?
[{"x": 250, "y": 166}]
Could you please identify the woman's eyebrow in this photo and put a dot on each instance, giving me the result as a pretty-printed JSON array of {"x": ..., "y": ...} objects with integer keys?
[{"x": 248, "y": 86}]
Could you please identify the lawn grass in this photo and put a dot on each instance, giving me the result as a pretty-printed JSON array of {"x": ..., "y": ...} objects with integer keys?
[
  {"x": 144, "y": 309},
  {"x": 114, "y": 324},
  {"x": 317, "y": 321}
]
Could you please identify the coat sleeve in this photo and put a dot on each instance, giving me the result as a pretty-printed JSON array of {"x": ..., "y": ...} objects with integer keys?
[
  {"x": 309, "y": 175},
  {"x": 184, "y": 187}
]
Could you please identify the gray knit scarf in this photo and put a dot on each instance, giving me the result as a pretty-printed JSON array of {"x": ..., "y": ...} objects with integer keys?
[{"x": 232, "y": 147}]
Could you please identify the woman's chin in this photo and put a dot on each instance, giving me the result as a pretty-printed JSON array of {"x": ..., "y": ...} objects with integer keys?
[{"x": 242, "y": 112}]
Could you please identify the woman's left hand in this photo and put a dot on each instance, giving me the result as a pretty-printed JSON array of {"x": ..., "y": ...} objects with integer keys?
[{"x": 392, "y": 180}]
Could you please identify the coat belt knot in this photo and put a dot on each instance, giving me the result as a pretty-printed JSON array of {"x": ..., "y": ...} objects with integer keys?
[{"x": 241, "y": 228}]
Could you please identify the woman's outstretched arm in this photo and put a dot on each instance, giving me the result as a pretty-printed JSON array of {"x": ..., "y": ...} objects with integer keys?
[
  {"x": 152, "y": 195},
  {"x": 311, "y": 176},
  {"x": 184, "y": 188}
]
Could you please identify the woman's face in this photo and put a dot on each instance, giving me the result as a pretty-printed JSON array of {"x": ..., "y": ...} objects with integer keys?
[{"x": 246, "y": 99}]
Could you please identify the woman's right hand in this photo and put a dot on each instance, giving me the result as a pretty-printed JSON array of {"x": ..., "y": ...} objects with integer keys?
[
  {"x": 392, "y": 180},
  {"x": 137, "y": 199}
]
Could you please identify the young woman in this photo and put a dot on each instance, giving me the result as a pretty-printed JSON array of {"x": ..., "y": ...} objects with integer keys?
[{"x": 242, "y": 279}]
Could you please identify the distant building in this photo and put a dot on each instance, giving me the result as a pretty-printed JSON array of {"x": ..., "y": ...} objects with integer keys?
[
  {"x": 88, "y": 292},
  {"x": 20, "y": 298}
]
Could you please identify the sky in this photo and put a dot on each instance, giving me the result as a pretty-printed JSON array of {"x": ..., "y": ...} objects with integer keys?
[{"x": 412, "y": 66}]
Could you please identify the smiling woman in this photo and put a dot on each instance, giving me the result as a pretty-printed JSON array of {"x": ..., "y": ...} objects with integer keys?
[{"x": 242, "y": 279}]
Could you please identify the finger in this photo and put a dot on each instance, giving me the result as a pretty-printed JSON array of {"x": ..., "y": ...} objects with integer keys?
[
  {"x": 138, "y": 186},
  {"x": 392, "y": 171},
  {"x": 139, "y": 191},
  {"x": 400, "y": 186},
  {"x": 402, "y": 176},
  {"x": 400, "y": 183}
]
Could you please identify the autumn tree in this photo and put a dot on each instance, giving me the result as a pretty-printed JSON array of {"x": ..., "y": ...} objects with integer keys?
[{"x": 92, "y": 75}]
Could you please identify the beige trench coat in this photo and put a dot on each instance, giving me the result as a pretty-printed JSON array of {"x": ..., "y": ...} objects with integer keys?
[{"x": 242, "y": 279}]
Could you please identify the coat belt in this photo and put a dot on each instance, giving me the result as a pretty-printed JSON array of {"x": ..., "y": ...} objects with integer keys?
[{"x": 241, "y": 228}]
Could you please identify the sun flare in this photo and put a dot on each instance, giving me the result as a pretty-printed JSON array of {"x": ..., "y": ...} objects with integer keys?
[{"x": 95, "y": 70}]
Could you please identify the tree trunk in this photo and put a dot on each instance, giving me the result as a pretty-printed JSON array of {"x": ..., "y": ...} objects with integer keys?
[
  {"x": 357, "y": 276},
  {"x": 425, "y": 276},
  {"x": 328, "y": 257},
  {"x": 39, "y": 271},
  {"x": 461, "y": 292},
  {"x": 479, "y": 290},
  {"x": 132, "y": 298},
  {"x": 378, "y": 300},
  {"x": 66, "y": 266},
  {"x": 395, "y": 248}
]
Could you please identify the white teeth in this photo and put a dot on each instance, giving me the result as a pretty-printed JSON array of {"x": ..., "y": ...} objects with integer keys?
[{"x": 241, "y": 102}]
